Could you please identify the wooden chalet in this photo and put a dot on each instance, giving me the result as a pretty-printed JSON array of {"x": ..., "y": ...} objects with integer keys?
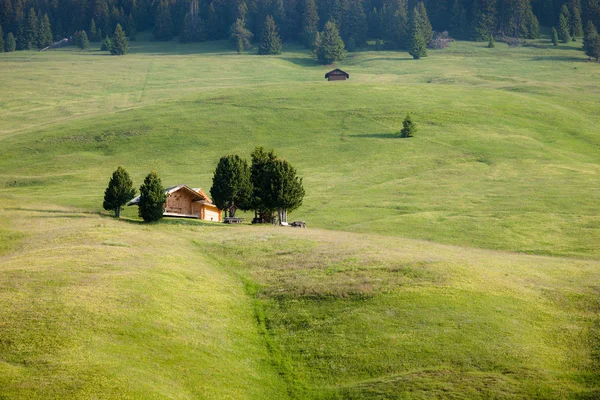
[
  {"x": 186, "y": 202},
  {"x": 337, "y": 75}
]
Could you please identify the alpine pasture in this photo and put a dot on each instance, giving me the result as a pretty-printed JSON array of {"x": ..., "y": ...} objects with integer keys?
[{"x": 461, "y": 263}]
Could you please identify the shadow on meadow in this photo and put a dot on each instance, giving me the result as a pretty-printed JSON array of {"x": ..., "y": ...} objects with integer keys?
[{"x": 377, "y": 136}]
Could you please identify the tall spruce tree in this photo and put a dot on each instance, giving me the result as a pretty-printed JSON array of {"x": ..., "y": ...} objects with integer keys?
[
  {"x": 106, "y": 44},
  {"x": 354, "y": 23},
  {"x": 593, "y": 50},
  {"x": 119, "y": 191},
  {"x": 31, "y": 30},
  {"x": 285, "y": 191},
  {"x": 260, "y": 180},
  {"x": 1, "y": 40},
  {"x": 589, "y": 35},
  {"x": 120, "y": 45},
  {"x": 554, "y": 37},
  {"x": 563, "y": 25},
  {"x": 240, "y": 37},
  {"x": 418, "y": 47},
  {"x": 94, "y": 31},
  {"x": 420, "y": 23},
  {"x": 270, "y": 43},
  {"x": 152, "y": 198},
  {"x": 232, "y": 185},
  {"x": 310, "y": 22},
  {"x": 458, "y": 25},
  {"x": 101, "y": 15},
  {"x": 331, "y": 45},
  {"x": 81, "y": 40},
  {"x": 396, "y": 24},
  {"x": 576, "y": 24},
  {"x": 163, "y": 24},
  {"x": 193, "y": 27},
  {"x": 533, "y": 26},
  {"x": 11, "y": 43},
  {"x": 483, "y": 19},
  {"x": 45, "y": 36}
]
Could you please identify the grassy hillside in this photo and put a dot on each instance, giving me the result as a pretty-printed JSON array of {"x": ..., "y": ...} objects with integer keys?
[{"x": 507, "y": 159}]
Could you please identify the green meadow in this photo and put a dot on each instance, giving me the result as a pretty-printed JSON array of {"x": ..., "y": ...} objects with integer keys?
[{"x": 461, "y": 263}]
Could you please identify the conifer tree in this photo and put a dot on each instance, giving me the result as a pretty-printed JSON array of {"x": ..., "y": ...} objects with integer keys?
[
  {"x": 576, "y": 24},
  {"x": 193, "y": 28},
  {"x": 152, "y": 198},
  {"x": 45, "y": 36},
  {"x": 106, "y": 44},
  {"x": 1, "y": 40},
  {"x": 101, "y": 15},
  {"x": 594, "y": 48},
  {"x": 458, "y": 25},
  {"x": 420, "y": 23},
  {"x": 260, "y": 181},
  {"x": 533, "y": 26},
  {"x": 93, "y": 31},
  {"x": 396, "y": 24},
  {"x": 563, "y": 25},
  {"x": 331, "y": 46},
  {"x": 163, "y": 25},
  {"x": 310, "y": 22},
  {"x": 355, "y": 22},
  {"x": 589, "y": 36},
  {"x": 491, "y": 43},
  {"x": 270, "y": 43},
  {"x": 11, "y": 43},
  {"x": 240, "y": 36},
  {"x": 81, "y": 40},
  {"x": 285, "y": 191},
  {"x": 120, "y": 45},
  {"x": 554, "y": 37},
  {"x": 31, "y": 30},
  {"x": 484, "y": 19},
  {"x": 119, "y": 191},
  {"x": 131, "y": 29},
  {"x": 409, "y": 128},
  {"x": 232, "y": 185},
  {"x": 212, "y": 23},
  {"x": 418, "y": 46}
]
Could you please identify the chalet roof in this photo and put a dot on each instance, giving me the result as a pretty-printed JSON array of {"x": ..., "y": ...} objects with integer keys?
[
  {"x": 198, "y": 194},
  {"x": 337, "y": 71}
]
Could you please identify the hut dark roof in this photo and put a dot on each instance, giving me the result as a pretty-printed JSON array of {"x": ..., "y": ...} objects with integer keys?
[{"x": 337, "y": 71}]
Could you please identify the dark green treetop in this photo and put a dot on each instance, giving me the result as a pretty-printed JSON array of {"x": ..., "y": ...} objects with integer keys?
[
  {"x": 152, "y": 198},
  {"x": 119, "y": 191},
  {"x": 120, "y": 45},
  {"x": 409, "y": 128},
  {"x": 270, "y": 42},
  {"x": 232, "y": 185},
  {"x": 331, "y": 46}
]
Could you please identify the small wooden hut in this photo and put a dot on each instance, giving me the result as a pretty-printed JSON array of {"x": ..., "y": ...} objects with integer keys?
[
  {"x": 183, "y": 201},
  {"x": 337, "y": 75}
]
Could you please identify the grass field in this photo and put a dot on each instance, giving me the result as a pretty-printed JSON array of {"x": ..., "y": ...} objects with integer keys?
[{"x": 462, "y": 263}]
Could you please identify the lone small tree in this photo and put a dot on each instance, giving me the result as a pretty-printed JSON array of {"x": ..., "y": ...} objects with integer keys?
[
  {"x": 589, "y": 36},
  {"x": 81, "y": 40},
  {"x": 554, "y": 37},
  {"x": 231, "y": 185},
  {"x": 491, "y": 43},
  {"x": 331, "y": 46},
  {"x": 270, "y": 43},
  {"x": 563, "y": 25},
  {"x": 11, "y": 43},
  {"x": 106, "y": 44},
  {"x": 120, "y": 45},
  {"x": 240, "y": 36},
  {"x": 409, "y": 128},
  {"x": 418, "y": 47},
  {"x": 119, "y": 191},
  {"x": 152, "y": 198}
]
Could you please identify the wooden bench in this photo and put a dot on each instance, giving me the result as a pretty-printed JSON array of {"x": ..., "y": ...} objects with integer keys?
[{"x": 233, "y": 220}]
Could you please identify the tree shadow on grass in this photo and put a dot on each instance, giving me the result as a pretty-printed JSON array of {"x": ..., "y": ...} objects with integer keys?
[
  {"x": 376, "y": 136},
  {"x": 559, "y": 58}
]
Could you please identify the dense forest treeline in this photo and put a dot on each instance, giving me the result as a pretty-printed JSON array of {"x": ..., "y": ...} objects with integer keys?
[{"x": 35, "y": 23}]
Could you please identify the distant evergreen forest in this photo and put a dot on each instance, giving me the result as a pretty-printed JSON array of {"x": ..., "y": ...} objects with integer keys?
[{"x": 36, "y": 23}]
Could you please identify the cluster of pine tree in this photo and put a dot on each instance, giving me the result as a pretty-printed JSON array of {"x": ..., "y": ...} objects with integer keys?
[
  {"x": 34, "y": 23},
  {"x": 267, "y": 186}
]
